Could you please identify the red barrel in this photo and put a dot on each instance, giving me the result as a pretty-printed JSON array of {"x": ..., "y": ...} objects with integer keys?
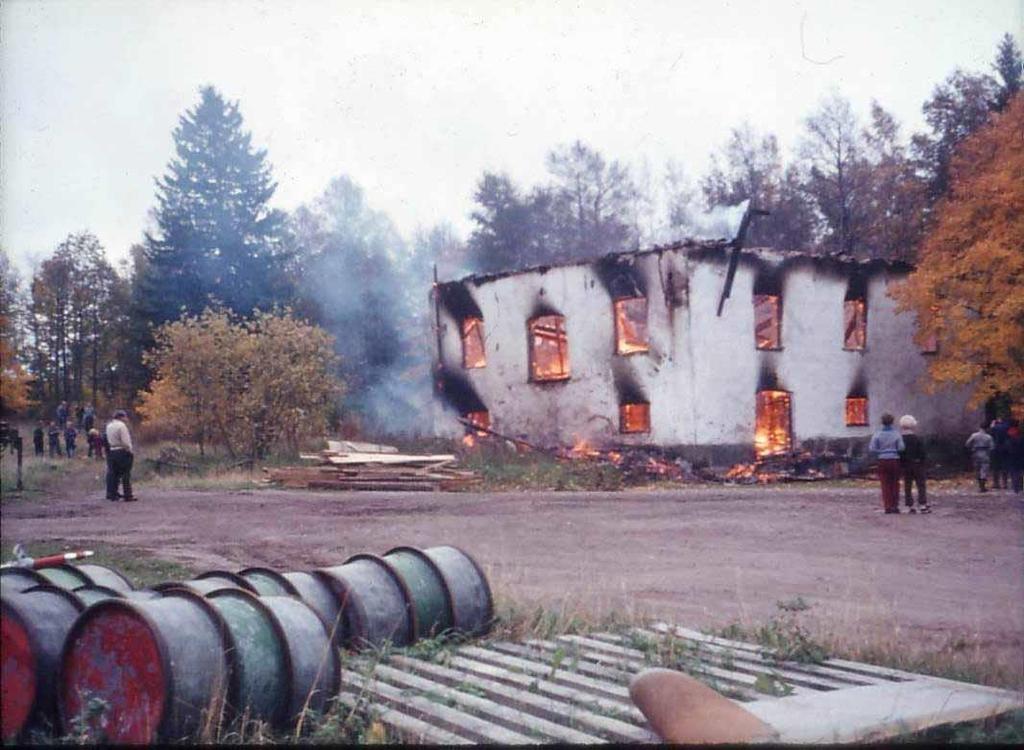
[
  {"x": 33, "y": 627},
  {"x": 159, "y": 665}
]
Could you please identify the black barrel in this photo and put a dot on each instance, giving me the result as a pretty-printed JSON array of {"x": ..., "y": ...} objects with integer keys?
[
  {"x": 431, "y": 598},
  {"x": 101, "y": 575},
  {"x": 317, "y": 593},
  {"x": 33, "y": 627},
  {"x": 159, "y": 665},
  {"x": 376, "y": 607},
  {"x": 472, "y": 604},
  {"x": 268, "y": 582},
  {"x": 226, "y": 578},
  {"x": 13, "y": 580}
]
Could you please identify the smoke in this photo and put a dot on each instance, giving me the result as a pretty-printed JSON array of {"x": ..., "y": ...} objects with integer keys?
[
  {"x": 720, "y": 223},
  {"x": 370, "y": 289}
]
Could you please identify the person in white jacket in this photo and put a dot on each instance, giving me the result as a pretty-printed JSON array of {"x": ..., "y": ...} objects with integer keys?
[{"x": 120, "y": 457}]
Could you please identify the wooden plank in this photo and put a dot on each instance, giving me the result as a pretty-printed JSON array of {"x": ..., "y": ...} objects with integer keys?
[
  {"x": 410, "y": 727},
  {"x": 616, "y": 707},
  {"x": 342, "y": 459},
  {"x": 521, "y": 695},
  {"x": 375, "y": 487},
  {"x": 871, "y": 713},
  {"x": 528, "y": 666},
  {"x": 424, "y": 708},
  {"x": 513, "y": 718},
  {"x": 351, "y": 446},
  {"x": 744, "y": 661}
]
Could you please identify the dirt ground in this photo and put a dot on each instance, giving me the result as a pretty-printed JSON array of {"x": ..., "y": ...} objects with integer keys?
[{"x": 702, "y": 556}]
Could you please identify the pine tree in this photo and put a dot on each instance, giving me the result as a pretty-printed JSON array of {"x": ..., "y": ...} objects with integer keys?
[
  {"x": 1009, "y": 65},
  {"x": 217, "y": 239}
]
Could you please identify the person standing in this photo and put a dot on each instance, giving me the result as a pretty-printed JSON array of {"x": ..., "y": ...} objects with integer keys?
[
  {"x": 887, "y": 444},
  {"x": 80, "y": 416},
  {"x": 912, "y": 463},
  {"x": 1000, "y": 476},
  {"x": 53, "y": 438},
  {"x": 89, "y": 418},
  {"x": 95, "y": 443},
  {"x": 119, "y": 457},
  {"x": 62, "y": 414},
  {"x": 981, "y": 444},
  {"x": 1015, "y": 455},
  {"x": 38, "y": 439},
  {"x": 70, "y": 435}
]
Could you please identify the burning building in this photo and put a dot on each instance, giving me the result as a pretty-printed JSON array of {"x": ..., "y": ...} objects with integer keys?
[{"x": 630, "y": 349}]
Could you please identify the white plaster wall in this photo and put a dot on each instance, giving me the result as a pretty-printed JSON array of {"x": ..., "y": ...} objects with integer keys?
[{"x": 702, "y": 372}]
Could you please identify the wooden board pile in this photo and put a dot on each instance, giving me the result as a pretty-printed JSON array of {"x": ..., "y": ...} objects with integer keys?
[{"x": 346, "y": 465}]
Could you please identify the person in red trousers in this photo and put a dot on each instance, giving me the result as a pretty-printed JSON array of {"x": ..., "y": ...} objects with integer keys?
[{"x": 887, "y": 444}]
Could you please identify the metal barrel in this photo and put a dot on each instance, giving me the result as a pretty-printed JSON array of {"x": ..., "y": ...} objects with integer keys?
[
  {"x": 33, "y": 627},
  {"x": 259, "y": 674},
  {"x": 66, "y": 576},
  {"x": 268, "y": 582},
  {"x": 196, "y": 586},
  {"x": 317, "y": 593},
  {"x": 13, "y": 580},
  {"x": 226, "y": 578},
  {"x": 141, "y": 595},
  {"x": 472, "y": 604},
  {"x": 312, "y": 661},
  {"x": 375, "y": 604},
  {"x": 160, "y": 666},
  {"x": 101, "y": 575},
  {"x": 93, "y": 593},
  {"x": 430, "y": 595}
]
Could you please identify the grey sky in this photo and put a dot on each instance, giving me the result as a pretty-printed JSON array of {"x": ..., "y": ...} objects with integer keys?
[{"x": 414, "y": 100}]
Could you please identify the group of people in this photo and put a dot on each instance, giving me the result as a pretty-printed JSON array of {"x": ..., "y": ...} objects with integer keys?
[
  {"x": 996, "y": 449},
  {"x": 114, "y": 442}
]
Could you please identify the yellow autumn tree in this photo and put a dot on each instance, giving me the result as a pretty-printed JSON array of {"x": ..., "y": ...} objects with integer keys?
[
  {"x": 968, "y": 287},
  {"x": 14, "y": 381},
  {"x": 245, "y": 384}
]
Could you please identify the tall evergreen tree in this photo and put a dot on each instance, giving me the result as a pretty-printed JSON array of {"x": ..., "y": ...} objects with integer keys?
[
  {"x": 217, "y": 239},
  {"x": 1009, "y": 65}
]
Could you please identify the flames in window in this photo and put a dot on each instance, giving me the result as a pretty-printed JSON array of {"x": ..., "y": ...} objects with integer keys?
[
  {"x": 855, "y": 324},
  {"x": 631, "y": 325},
  {"x": 767, "y": 321},
  {"x": 773, "y": 426},
  {"x": 549, "y": 348},
  {"x": 856, "y": 411},
  {"x": 479, "y": 419},
  {"x": 635, "y": 417},
  {"x": 473, "y": 343}
]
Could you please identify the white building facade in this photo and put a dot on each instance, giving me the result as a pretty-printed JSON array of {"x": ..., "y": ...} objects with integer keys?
[{"x": 629, "y": 349}]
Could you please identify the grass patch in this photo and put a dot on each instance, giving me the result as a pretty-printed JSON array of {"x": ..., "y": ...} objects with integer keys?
[
  {"x": 502, "y": 469},
  {"x": 38, "y": 475}
]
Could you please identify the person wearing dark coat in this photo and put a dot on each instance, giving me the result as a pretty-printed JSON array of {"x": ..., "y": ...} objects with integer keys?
[
  {"x": 1015, "y": 455},
  {"x": 912, "y": 464},
  {"x": 39, "y": 439},
  {"x": 70, "y": 435},
  {"x": 1000, "y": 475},
  {"x": 53, "y": 436}
]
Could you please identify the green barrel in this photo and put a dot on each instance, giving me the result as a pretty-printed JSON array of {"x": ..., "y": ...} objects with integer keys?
[
  {"x": 101, "y": 575},
  {"x": 14, "y": 580},
  {"x": 226, "y": 578},
  {"x": 259, "y": 684},
  {"x": 431, "y": 598},
  {"x": 93, "y": 593},
  {"x": 65, "y": 576},
  {"x": 268, "y": 582}
]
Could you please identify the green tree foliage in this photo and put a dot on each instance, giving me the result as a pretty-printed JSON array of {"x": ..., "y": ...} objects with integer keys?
[
  {"x": 217, "y": 239},
  {"x": 76, "y": 316},
  {"x": 248, "y": 385},
  {"x": 512, "y": 230},
  {"x": 1009, "y": 66}
]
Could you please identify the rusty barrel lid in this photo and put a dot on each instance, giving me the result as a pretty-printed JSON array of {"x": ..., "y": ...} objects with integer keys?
[
  {"x": 160, "y": 665},
  {"x": 33, "y": 628}
]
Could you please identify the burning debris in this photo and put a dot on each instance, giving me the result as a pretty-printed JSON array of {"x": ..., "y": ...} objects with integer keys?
[{"x": 789, "y": 467}]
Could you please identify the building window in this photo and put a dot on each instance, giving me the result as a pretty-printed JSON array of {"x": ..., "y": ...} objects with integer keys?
[
  {"x": 855, "y": 324},
  {"x": 549, "y": 349},
  {"x": 635, "y": 417},
  {"x": 473, "y": 355},
  {"x": 856, "y": 411},
  {"x": 479, "y": 419},
  {"x": 631, "y": 325},
  {"x": 773, "y": 432},
  {"x": 767, "y": 321}
]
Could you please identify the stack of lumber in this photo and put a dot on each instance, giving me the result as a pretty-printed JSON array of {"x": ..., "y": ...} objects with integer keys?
[{"x": 346, "y": 465}]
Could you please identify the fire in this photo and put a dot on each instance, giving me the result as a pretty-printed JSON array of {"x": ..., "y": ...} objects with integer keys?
[
  {"x": 631, "y": 325},
  {"x": 583, "y": 448},
  {"x": 473, "y": 354},
  {"x": 772, "y": 433},
  {"x": 468, "y": 440},
  {"x": 549, "y": 348},
  {"x": 635, "y": 417}
]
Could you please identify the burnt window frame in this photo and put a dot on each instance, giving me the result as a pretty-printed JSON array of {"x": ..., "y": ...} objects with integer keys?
[
  {"x": 778, "y": 322},
  {"x": 468, "y": 416},
  {"x": 616, "y": 330},
  {"x": 622, "y": 418},
  {"x": 531, "y": 361},
  {"x": 867, "y": 411},
  {"x": 463, "y": 337},
  {"x": 790, "y": 438},
  {"x": 863, "y": 302}
]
